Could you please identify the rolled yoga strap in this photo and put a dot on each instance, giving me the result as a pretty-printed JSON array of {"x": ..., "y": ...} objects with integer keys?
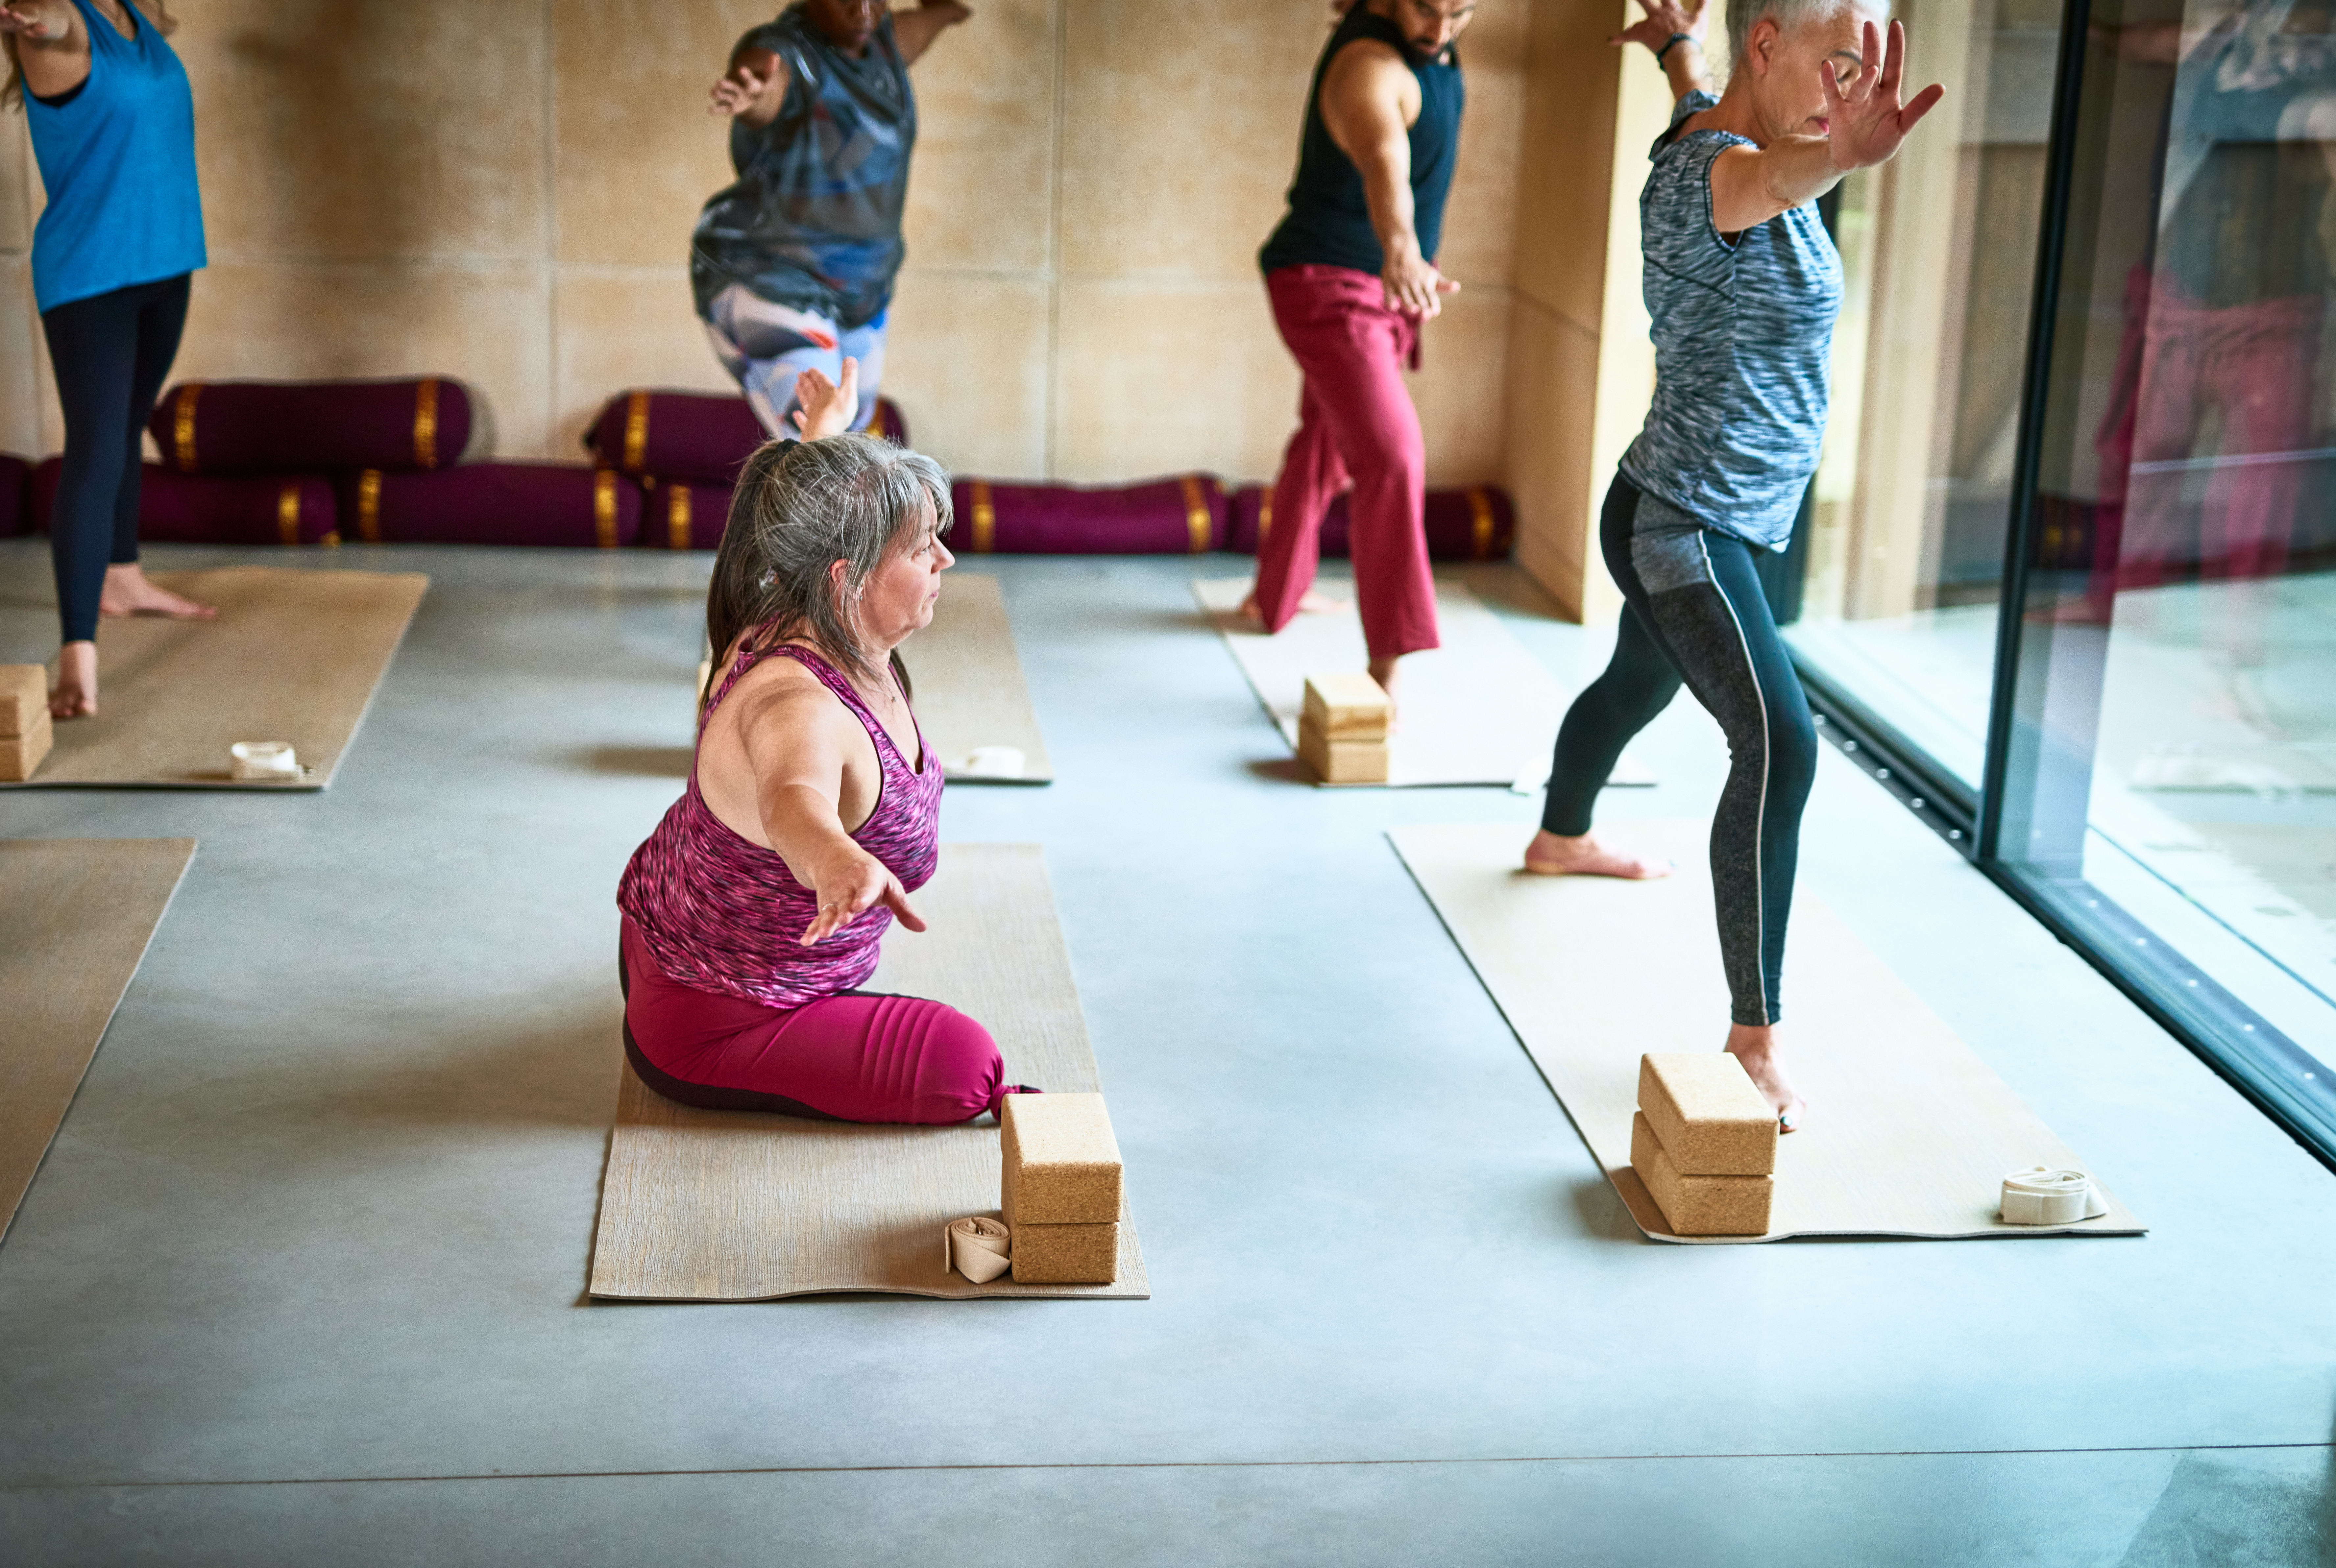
[
  {"x": 979, "y": 1249},
  {"x": 2043, "y": 1196},
  {"x": 265, "y": 759}
]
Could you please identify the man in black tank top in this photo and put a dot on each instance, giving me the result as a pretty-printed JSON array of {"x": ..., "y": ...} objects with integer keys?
[{"x": 1351, "y": 273}]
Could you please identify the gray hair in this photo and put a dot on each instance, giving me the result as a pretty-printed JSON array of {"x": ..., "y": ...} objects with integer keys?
[
  {"x": 800, "y": 507},
  {"x": 1743, "y": 15}
]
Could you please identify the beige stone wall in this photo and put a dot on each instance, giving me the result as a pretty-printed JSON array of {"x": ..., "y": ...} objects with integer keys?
[{"x": 504, "y": 192}]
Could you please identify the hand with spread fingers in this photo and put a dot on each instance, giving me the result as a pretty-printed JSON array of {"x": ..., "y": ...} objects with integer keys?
[
  {"x": 1865, "y": 120},
  {"x": 1664, "y": 20},
  {"x": 848, "y": 887}
]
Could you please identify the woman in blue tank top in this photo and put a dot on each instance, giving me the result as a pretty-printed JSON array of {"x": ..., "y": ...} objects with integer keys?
[{"x": 113, "y": 122}]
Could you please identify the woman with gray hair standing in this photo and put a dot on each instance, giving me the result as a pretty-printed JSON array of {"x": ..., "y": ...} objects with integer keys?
[
  {"x": 1743, "y": 285},
  {"x": 753, "y": 913}
]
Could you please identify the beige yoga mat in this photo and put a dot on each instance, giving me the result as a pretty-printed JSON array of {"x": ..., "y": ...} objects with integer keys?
[
  {"x": 971, "y": 699},
  {"x": 1909, "y": 1133},
  {"x": 1479, "y": 710},
  {"x": 739, "y": 1206},
  {"x": 294, "y": 656},
  {"x": 75, "y": 917}
]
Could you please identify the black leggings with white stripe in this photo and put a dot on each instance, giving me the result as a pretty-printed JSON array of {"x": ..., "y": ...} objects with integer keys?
[{"x": 1694, "y": 611}]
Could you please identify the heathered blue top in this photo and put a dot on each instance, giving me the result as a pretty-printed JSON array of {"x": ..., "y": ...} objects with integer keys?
[
  {"x": 1743, "y": 344},
  {"x": 117, "y": 156}
]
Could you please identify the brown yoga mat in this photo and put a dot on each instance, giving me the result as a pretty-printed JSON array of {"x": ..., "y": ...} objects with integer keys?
[
  {"x": 294, "y": 656},
  {"x": 1909, "y": 1134},
  {"x": 741, "y": 1206},
  {"x": 75, "y": 917},
  {"x": 1479, "y": 710},
  {"x": 970, "y": 694}
]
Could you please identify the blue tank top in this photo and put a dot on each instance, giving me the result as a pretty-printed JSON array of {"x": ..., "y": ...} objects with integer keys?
[
  {"x": 117, "y": 159},
  {"x": 1329, "y": 221},
  {"x": 815, "y": 218}
]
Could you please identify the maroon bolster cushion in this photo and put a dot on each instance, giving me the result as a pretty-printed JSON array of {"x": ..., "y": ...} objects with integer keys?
[
  {"x": 15, "y": 496},
  {"x": 1471, "y": 524},
  {"x": 685, "y": 514},
  {"x": 701, "y": 437},
  {"x": 528, "y": 504},
  {"x": 189, "y": 509},
  {"x": 258, "y": 426},
  {"x": 1180, "y": 516}
]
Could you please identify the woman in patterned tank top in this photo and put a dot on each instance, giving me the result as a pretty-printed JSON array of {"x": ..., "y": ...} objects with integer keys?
[{"x": 753, "y": 913}]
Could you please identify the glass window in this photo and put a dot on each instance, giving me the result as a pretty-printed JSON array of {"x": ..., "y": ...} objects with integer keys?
[
  {"x": 1906, "y": 533},
  {"x": 2168, "y": 743}
]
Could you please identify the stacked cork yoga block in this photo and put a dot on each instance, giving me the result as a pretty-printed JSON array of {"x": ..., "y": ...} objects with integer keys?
[
  {"x": 1062, "y": 1189},
  {"x": 24, "y": 733},
  {"x": 1704, "y": 1145},
  {"x": 1342, "y": 731}
]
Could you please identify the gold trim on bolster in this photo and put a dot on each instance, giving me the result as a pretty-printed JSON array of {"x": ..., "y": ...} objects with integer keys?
[
  {"x": 984, "y": 519},
  {"x": 425, "y": 423},
  {"x": 1480, "y": 536},
  {"x": 677, "y": 510},
  {"x": 1264, "y": 517},
  {"x": 636, "y": 430},
  {"x": 604, "y": 509},
  {"x": 183, "y": 424},
  {"x": 1196, "y": 513},
  {"x": 332, "y": 539},
  {"x": 288, "y": 512},
  {"x": 369, "y": 505}
]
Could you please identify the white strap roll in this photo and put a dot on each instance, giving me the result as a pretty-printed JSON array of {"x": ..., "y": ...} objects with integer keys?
[
  {"x": 2044, "y": 1196},
  {"x": 261, "y": 759},
  {"x": 979, "y": 1249}
]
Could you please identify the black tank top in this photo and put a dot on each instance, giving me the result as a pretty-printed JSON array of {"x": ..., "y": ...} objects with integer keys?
[{"x": 1328, "y": 222}]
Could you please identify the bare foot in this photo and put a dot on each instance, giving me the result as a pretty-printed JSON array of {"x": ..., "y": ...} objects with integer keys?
[
  {"x": 1308, "y": 603},
  {"x": 1757, "y": 1048},
  {"x": 127, "y": 592},
  {"x": 1550, "y": 855},
  {"x": 76, "y": 693}
]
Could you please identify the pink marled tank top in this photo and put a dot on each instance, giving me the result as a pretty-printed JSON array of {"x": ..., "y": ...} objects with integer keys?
[{"x": 726, "y": 916}]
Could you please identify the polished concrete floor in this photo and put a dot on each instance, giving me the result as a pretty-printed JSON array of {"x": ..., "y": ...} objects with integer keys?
[{"x": 301, "y": 1280}]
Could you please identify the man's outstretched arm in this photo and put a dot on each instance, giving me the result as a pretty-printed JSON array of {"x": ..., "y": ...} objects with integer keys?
[
  {"x": 914, "y": 31},
  {"x": 1363, "y": 108}
]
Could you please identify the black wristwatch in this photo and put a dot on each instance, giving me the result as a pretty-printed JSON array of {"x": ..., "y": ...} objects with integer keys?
[{"x": 1672, "y": 43}]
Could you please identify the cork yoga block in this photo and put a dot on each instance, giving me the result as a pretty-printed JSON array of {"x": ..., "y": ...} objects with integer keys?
[
  {"x": 1066, "y": 1254},
  {"x": 1341, "y": 760},
  {"x": 1695, "y": 1205},
  {"x": 1346, "y": 707},
  {"x": 21, "y": 754},
  {"x": 1062, "y": 1163},
  {"x": 1710, "y": 1118},
  {"x": 24, "y": 697}
]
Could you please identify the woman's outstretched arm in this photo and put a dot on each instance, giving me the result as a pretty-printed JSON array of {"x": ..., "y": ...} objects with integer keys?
[
  {"x": 913, "y": 32},
  {"x": 51, "y": 46}
]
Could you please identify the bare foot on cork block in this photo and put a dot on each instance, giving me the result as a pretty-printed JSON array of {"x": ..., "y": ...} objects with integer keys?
[
  {"x": 1756, "y": 1048},
  {"x": 127, "y": 592},
  {"x": 1550, "y": 855}
]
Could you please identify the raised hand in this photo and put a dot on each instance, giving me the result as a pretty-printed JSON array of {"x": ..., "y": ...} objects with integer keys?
[
  {"x": 1663, "y": 19},
  {"x": 24, "y": 22},
  {"x": 738, "y": 92},
  {"x": 849, "y": 889},
  {"x": 827, "y": 407},
  {"x": 1865, "y": 121}
]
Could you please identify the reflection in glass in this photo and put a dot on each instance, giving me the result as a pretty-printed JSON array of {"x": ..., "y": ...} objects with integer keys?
[{"x": 2171, "y": 757}]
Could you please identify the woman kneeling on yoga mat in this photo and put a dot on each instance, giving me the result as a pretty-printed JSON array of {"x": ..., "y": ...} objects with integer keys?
[{"x": 753, "y": 913}]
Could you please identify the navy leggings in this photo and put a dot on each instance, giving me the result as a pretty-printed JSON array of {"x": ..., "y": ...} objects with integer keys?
[
  {"x": 110, "y": 353},
  {"x": 1694, "y": 611}
]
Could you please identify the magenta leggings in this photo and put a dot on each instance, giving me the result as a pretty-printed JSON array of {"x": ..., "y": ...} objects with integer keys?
[{"x": 853, "y": 1056}]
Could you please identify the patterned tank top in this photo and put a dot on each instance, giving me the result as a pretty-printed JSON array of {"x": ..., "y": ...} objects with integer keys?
[{"x": 724, "y": 915}]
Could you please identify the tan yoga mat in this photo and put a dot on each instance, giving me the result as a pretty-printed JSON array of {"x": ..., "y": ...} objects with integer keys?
[
  {"x": 1908, "y": 1132},
  {"x": 741, "y": 1206},
  {"x": 75, "y": 917},
  {"x": 1479, "y": 710},
  {"x": 971, "y": 694},
  {"x": 294, "y": 656}
]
